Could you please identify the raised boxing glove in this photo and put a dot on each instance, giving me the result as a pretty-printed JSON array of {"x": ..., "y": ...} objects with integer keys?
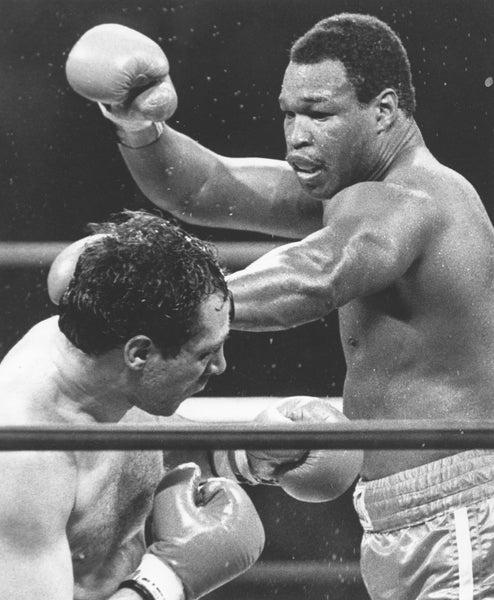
[
  {"x": 63, "y": 267},
  {"x": 307, "y": 475},
  {"x": 203, "y": 534},
  {"x": 127, "y": 73}
]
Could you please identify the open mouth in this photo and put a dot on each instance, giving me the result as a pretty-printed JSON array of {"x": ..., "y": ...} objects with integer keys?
[
  {"x": 307, "y": 174},
  {"x": 306, "y": 170}
]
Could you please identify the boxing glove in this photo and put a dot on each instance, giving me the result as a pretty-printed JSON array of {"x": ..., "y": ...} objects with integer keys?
[
  {"x": 126, "y": 72},
  {"x": 203, "y": 536},
  {"x": 307, "y": 475},
  {"x": 63, "y": 267}
]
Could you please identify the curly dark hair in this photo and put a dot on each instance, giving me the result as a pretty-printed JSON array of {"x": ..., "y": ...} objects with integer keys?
[
  {"x": 371, "y": 52},
  {"x": 147, "y": 276}
]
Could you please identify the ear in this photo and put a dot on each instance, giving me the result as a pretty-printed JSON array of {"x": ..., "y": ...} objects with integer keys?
[
  {"x": 137, "y": 351},
  {"x": 386, "y": 109}
]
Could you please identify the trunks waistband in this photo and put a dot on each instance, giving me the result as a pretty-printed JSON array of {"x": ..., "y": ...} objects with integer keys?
[{"x": 418, "y": 494}]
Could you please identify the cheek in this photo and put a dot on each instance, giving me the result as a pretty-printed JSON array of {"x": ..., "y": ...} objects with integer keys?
[
  {"x": 191, "y": 372},
  {"x": 330, "y": 139}
]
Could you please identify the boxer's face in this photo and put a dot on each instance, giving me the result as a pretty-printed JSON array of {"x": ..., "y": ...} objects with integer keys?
[
  {"x": 328, "y": 132},
  {"x": 167, "y": 382}
]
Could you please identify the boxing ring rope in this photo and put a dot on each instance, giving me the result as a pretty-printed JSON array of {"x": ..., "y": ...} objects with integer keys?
[
  {"x": 300, "y": 572},
  {"x": 370, "y": 435},
  {"x": 15, "y": 255}
]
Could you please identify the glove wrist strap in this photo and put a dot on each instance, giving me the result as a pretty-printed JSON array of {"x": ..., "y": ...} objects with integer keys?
[
  {"x": 133, "y": 134},
  {"x": 141, "y": 137},
  {"x": 155, "y": 580},
  {"x": 234, "y": 464}
]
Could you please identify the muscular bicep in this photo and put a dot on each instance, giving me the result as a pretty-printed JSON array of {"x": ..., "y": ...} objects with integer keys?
[
  {"x": 260, "y": 195},
  {"x": 359, "y": 252},
  {"x": 201, "y": 187},
  {"x": 35, "y": 503}
]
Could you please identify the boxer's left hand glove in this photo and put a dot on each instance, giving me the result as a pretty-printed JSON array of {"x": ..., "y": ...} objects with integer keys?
[
  {"x": 307, "y": 475},
  {"x": 204, "y": 535}
]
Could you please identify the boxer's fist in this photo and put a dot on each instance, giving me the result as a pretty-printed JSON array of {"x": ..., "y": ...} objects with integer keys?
[
  {"x": 319, "y": 475},
  {"x": 63, "y": 267},
  {"x": 307, "y": 475},
  {"x": 117, "y": 66},
  {"x": 208, "y": 534}
]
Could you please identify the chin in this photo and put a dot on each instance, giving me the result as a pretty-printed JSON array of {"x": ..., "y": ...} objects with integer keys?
[{"x": 318, "y": 192}]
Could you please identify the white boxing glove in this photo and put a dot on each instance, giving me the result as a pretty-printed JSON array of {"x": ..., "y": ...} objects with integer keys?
[
  {"x": 204, "y": 535},
  {"x": 307, "y": 475},
  {"x": 128, "y": 74}
]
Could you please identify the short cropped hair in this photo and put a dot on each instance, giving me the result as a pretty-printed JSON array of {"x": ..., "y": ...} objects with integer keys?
[
  {"x": 145, "y": 276},
  {"x": 371, "y": 52}
]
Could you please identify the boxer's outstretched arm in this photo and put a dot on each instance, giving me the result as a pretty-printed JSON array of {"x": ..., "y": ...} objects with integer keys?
[
  {"x": 373, "y": 235},
  {"x": 201, "y": 187}
]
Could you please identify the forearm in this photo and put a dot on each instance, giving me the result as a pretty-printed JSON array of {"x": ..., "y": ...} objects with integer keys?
[
  {"x": 171, "y": 171},
  {"x": 282, "y": 289},
  {"x": 203, "y": 188}
]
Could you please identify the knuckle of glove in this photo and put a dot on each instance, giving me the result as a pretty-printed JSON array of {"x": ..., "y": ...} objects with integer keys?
[
  {"x": 324, "y": 475},
  {"x": 158, "y": 103}
]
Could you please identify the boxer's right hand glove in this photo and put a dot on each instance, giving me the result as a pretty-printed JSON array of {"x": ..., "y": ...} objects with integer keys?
[
  {"x": 128, "y": 74},
  {"x": 308, "y": 475},
  {"x": 206, "y": 535}
]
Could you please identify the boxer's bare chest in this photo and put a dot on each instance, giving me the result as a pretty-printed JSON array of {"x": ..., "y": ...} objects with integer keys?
[{"x": 105, "y": 532}]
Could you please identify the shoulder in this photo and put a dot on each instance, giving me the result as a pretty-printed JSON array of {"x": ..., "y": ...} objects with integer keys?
[
  {"x": 385, "y": 194},
  {"x": 386, "y": 202},
  {"x": 34, "y": 341}
]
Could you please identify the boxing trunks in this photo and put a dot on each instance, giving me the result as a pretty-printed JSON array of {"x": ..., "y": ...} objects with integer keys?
[{"x": 429, "y": 531}]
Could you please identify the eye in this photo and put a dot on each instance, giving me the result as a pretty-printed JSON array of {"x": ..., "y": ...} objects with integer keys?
[
  {"x": 205, "y": 356},
  {"x": 319, "y": 116}
]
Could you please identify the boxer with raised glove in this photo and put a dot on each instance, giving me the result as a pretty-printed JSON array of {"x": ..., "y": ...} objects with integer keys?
[
  {"x": 307, "y": 475},
  {"x": 128, "y": 74},
  {"x": 204, "y": 535}
]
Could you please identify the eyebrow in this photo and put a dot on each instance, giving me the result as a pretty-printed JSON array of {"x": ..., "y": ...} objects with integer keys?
[
  {"x": 214, "y": 347},
  {"x": 314, "y": 99}
]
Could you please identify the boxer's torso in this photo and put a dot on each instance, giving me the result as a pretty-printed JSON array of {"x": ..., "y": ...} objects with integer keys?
[
  {"x": 424, "y": 347},
  {"x": 106, "y": 528},
  {"x": 109, "y": 493}
]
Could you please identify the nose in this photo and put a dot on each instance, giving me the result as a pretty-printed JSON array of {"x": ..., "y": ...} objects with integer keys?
[
  {"x": 217, "y": 365},
  {"x": 297, "y": 131}
]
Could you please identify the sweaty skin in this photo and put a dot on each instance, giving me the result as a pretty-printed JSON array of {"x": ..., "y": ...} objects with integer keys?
[
  {"x": 73, "y": 524},
  {"x": 404, "y": 249}
]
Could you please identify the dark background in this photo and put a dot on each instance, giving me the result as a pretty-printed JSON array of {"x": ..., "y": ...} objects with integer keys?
[{"x": 60, "y": 168}]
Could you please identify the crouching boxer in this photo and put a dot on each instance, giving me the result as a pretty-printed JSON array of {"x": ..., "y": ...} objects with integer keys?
[{"x": 141, "y": 326}]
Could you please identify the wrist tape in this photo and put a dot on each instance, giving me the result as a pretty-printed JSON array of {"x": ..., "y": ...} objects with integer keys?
[
  {"x": 134, "y": 134},
  {"x": 234, "y": 464},
  {"x": 141, "y": 137},
  {"x": 155, "y": 580}
]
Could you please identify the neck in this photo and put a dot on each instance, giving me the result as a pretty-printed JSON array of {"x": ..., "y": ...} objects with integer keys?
[
  {"x": 92, "y": 386},
  {"x": 404, "y": 138}
]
